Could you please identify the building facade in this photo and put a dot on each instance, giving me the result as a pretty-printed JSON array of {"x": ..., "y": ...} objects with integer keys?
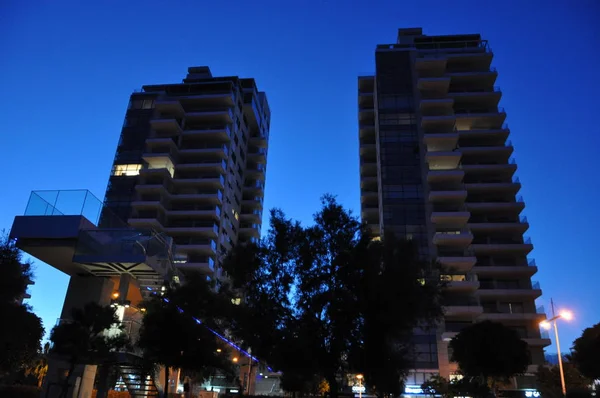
[
  {"x": 191, "y": 163},
  {"x": 436, "y": 167}
]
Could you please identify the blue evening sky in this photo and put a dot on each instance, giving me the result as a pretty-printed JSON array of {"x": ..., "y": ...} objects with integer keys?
[{"x": 67, "y": 69}]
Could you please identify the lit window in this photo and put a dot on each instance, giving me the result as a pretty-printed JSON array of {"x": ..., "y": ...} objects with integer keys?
[
  {"x": 126, "y": 169},
  {"x": 235, "y": 214}
]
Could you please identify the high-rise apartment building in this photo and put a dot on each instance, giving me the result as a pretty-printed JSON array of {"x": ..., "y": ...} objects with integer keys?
[
  {"x": 436, "y": 167},
  {"x": 191, "y": 163}
]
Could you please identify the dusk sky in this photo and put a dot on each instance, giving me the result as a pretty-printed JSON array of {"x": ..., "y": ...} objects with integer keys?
[{"x": 67, "y": 70}]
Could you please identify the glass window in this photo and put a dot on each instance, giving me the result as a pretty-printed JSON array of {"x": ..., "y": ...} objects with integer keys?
[{"x": 126, "y": 169}]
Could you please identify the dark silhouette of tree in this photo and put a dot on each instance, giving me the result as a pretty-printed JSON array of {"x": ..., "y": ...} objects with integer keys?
[
  {"x": 548, "y": 380},
  {"x": 91, "y": 336},
  {"x": 398, "y": 293},
  {"x": 585, "y": 352},
  {"x": 311, "y": 304},
  {"x": 175, "y": 331},
  {"x": 19, "y": 342},
  {"x": 464, "y": 387},
  {"x": 490, "y": 351}
]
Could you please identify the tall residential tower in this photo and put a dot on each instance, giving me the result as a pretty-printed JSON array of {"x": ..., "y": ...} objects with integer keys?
[
  {"x": 436, "y": 167},
  {"x": 191, "y": 163}
]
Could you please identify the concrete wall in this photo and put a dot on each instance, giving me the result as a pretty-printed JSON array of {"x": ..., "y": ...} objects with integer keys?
[{"x": 86, "y": 289}]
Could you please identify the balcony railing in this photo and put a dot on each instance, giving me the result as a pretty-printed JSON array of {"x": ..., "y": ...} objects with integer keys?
[{"x": 458, "y": 90}]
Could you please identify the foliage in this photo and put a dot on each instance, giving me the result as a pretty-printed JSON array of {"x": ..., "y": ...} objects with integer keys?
[
  {"x": 585, "y": 352},
  {"x": 464, "y": 387},
  {"x": 312, "y": 300},
  {"x": 19, "y": 391},
  {"x": 39, "y": 367},
  {"x": 171, "y": 336},
  {"x": 548, "y": 380},
  {"x": 491, "y": 351},
  {"x": 84, "y": 339},
  {"x": 398, "y": 293},
  {"x": 19, "y": 343}
]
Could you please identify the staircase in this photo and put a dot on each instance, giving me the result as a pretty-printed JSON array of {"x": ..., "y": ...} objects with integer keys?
[{"x": 138, "y": 383}]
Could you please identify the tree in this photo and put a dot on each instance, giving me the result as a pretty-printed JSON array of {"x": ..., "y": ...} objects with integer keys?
[
  {"x": 91, "y": 336},
  {"x": 175, "y": 330},
  {"x": 490, "y": 351},
  {"x": 548, "y": 380},
  {"x": 586, "y": 352},
  {"x": 312, "y": 300},
  {"x": 463, "y": 387},
  {"x": 19, "y": 343},
  {"x": 399, "y": 292},
  {"x": 39, "y": 367}
]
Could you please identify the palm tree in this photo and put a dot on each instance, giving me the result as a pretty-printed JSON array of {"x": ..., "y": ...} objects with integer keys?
[{"x": 39, "y": 368}]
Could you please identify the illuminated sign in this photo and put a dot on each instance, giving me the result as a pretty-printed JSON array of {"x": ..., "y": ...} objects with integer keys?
[
  {"x": 234, "y": 391},
  {"x": 532, "y": 394},
  {"x": 358, "y": 389},
  {"x": 413, "y": 390}
]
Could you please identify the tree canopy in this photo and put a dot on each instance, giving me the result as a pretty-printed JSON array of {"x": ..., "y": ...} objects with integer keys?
[
  {"x": 85, "y": 338},
  {"x": 19, "y": 343},
  {"x": 585, "y": 352},
  {"x": 491, "y": 351},
  {"x": 548, "y": 380},
  {"x": 326, "y": 300},
  {"x": 175, "y": 330}
]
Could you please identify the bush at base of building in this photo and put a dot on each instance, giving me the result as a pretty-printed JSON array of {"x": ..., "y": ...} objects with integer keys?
[{"x": 16, "y": 391}]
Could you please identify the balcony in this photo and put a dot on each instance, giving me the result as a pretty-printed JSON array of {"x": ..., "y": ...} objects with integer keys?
[
  {"x": 368, "y": 195},
  {"x": 169, "y": 105},
  {"x": 494, "y": 187},
  {"x": 210, "y": 115},
  {"x": 368, "y": 182},
  {"x": 506, "y": 315},
  {"x": 449, "y": 215},
  {"x": 438, "y": 123},
  {"x": 434, "y": 84},
  {"x": 460, "y": 283},
  {"x": 436, "y": 105},
  {"x": 370, "y": 210},
  {"x": 366, "y": 128},
  {"x": 499, "y": 135},
  {"x": 368, "y": 167},
  {"x": 221, "y": 132},
  {"x": 224, "y": 99},
  {"x": 514, "y": 206},
  {"x": 197, "y": 195},
  {"x": 196, "y": 245},
  {"x": 494, "y": 270},
  {"x": 437, "y": 142},
  {"x": 206, "y": 166},
  {"x": 474, "y": 119},
  {"x": 208, "y": 181},
  {"x": 443, "y": 160},
  {"x": 189, "y": 149},
  {"x": 499, "y": 290},
  {"x": 451, "y": 178},
  {"x": 145, "y": 223},
  {"x": 195, "y": 211},
  {"x": 453, "y": 238},
  {"x": 491, "y": 246},
  {"x": 519, "y": 226},
  {"x": 469, "y": 76},
  {"x": 258, "y": 154},
  {"x": 256, "y": 186},
  {"x": 367, "y": 147},
  {"x": 457, "y": 262},
  {"x": 166, "y": 123},
  {"x": 462, "y": 311},
  {"x": 207, "y": 267},
  {"x": 252, "y": 230},
  {"x": 456, "y": 196},
  {"x": 257, "y": 171},
  {"x": 192, "y": 227},
  {"x": 253, "y": 216},
  {"x": 158, "y": 143},
  {"x": 256, "y": 202}
]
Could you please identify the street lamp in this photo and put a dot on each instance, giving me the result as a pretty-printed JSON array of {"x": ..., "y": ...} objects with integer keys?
[
  {"x": 547, "y": 324},
  {"x": 360, "y": 378}
]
